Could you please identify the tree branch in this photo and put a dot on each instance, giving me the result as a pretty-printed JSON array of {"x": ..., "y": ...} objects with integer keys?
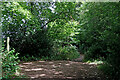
[{"x": 55, "y": 19}]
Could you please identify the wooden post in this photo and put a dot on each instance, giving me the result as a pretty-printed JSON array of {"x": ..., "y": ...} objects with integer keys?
[{"x": 8, "y": 46}]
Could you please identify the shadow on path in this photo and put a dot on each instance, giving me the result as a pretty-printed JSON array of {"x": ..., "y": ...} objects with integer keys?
[{"x": 60, "y": 70}]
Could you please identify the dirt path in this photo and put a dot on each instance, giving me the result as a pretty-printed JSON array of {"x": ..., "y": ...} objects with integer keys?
[{"x": 59, "y": 70}]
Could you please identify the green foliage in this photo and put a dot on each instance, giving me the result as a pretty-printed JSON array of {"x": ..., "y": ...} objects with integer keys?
[
  {"x": 50, "y": 31},
  {"x": 109, "y": 71},
  {"x": 37, "y": 45},
  {"x": 9, "y": 63},
  {"x": 27, "y": 57},
  {"x": 29, "y": 35},
  {"x": 66, "y": 53},
  {"x": 99, "y": 33},
  {"x": 26, "y": 36},
  {"x": 69, "y": 52}
]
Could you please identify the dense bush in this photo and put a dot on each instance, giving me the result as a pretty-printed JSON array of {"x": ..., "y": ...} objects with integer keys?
[
  {"x": 65, "y": 53},
  {"x": 37, "y": 27},
  {"x": 99, "y": 33},
  {"x": 9, "y": 63},
  {"x": 37, "y": 45},
  {"x": 69, "y": 52},
  {"x": 26, "y": 35},
  {"x": 49, "y": 30}
]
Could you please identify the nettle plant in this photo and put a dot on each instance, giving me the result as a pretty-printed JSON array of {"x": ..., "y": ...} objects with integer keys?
[{"x": 9, "y": 62}]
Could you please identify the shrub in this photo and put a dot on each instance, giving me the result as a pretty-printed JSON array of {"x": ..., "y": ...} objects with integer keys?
[
  {"x": 110, "y": 71},
  {"x": 34, "y": 45},
  {"x": 100, "y": 33},
  {"x": 114, "y": 62},
  {"x": 66, "y": 53},
  {"x": 9, "y": 63}
]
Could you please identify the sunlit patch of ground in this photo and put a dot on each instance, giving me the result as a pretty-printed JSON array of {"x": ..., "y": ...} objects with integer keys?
[{"x": 60, "y": 69}]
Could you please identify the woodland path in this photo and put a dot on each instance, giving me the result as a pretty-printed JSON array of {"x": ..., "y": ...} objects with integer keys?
[{"x": 60, "y": 70}]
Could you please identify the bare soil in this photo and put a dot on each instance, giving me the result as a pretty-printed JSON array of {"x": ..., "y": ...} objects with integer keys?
[{"x": 60, "y": 70}]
